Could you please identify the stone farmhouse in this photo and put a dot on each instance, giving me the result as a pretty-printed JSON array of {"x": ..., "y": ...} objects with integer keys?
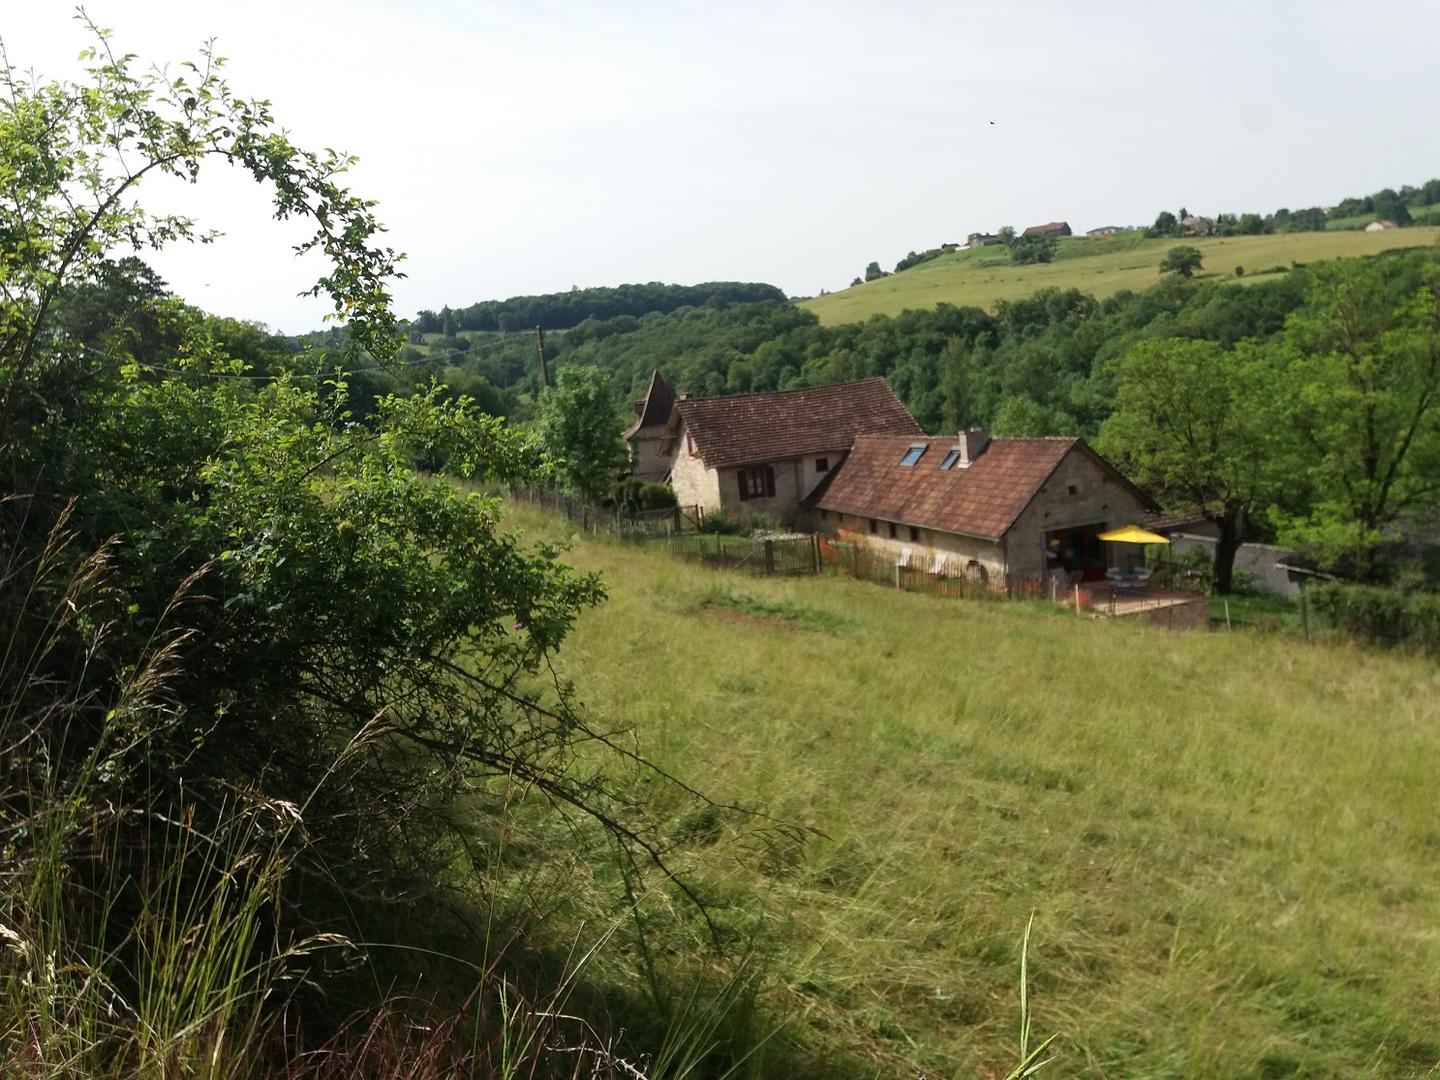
[
  {"x": 970, "y": 505},
  {"x": 850, "y": 462},
  {"x": 761, "y": 452}
]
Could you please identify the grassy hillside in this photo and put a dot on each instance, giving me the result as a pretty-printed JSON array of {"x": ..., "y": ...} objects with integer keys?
[
  {"x": 1228, "y": 840},
  {"x": 1100, "y": 267}
]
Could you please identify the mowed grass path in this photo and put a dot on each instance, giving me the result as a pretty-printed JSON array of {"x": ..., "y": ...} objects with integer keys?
[
  {"x": 1230, "y": 841},
  {"x": 1100, "y": 267}
]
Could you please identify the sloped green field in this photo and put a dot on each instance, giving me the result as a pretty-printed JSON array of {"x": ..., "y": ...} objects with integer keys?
[
  {"x": 1229, "y": 841},
  {"x": 1100, "y": 267}
]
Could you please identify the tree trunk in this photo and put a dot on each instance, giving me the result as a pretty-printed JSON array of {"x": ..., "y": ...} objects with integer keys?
[{"x": 1232, "y": 531}]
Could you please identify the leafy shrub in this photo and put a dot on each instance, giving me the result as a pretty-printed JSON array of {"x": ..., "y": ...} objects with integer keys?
[
  {"x": 635, "y": 494},
  {"x": 739, "y": 523},
  {"x": 1379, "y": 615}
]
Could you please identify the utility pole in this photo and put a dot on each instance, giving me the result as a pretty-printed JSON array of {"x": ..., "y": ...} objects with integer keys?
[{"x": 540, "y": 348}]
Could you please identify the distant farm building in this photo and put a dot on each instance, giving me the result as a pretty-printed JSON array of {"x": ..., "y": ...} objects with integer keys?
[
  {"x": 1379, "y": 226},
  {"x": 983, "y": 508},
  {"x": 1196, "y": 225},
  {"x": 1107, "y": 230},
  {"x": 980, "y": 239},
  {"x": 1052, "y": 228}
]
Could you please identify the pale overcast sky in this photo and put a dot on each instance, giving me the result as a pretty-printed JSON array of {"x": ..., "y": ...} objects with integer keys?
[{"x": 528, "y": 147}]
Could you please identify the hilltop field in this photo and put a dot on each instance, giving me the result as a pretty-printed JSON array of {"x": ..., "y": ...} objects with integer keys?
[
  {"x": 1228, "y": 840},
  {"x": 1101, "y": 267}
]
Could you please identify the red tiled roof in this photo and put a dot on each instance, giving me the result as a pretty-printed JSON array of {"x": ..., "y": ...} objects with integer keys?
[
  {"x": 655, "y": 408},
  {"x": 1047, "y": 228},
  {"x": 983, "y": 500},
  {"x": 746, "y": 428}
]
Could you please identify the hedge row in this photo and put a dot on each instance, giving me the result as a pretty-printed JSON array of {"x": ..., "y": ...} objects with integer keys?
[{"x": 1379, "y": 615}]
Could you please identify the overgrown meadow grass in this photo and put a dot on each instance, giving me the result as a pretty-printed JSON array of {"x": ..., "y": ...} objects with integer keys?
[
  {"x": 1100, "y": 267},
  {"x": 1228, "y": 841}
]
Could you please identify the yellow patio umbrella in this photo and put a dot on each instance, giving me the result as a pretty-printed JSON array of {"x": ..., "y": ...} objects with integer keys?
[{"x": 1133, "y": 534}]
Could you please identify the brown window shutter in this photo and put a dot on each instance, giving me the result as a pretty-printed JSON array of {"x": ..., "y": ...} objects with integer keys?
[
  {"x": 744, "y": 484},
  {"x": 770, "y": 480}
]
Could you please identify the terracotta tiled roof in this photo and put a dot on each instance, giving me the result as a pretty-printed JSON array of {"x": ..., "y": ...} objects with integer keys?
[
  {"x": 746, "y": 428},
  {"x": 655, "y": 407},
  {"x": 983, "y": 500},
  {"x": 1048, "y": 228}
]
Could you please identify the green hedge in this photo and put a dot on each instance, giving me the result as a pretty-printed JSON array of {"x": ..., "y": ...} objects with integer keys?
[{"x": 1379, "y": 615}]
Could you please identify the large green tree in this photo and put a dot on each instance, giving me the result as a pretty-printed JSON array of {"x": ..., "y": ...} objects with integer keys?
[
  {"x": 580, "y": 430},
  {"x": 1190, "y": 424},
  {"x": 1183, "y": 260},
  {"x": 1361, "y": 400}
]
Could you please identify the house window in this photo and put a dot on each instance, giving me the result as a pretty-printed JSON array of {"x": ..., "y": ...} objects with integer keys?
[
  {"x": 874, "y": 526},
  {"x": 756, "y": 482},
  {"x": 913, "y": 454},
  {"x": 914, "y": 535},
  {"x": 952, "y": 456},
  {"x": 822, "y": 464},
  {"x": 891, "y": 526},
  {"x": 1074, "y": 489}
]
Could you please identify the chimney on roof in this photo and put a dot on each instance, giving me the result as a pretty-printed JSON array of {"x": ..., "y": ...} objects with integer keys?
[
  {"x": 683, "y": 397},
  {"x": 971, "y": 444}
]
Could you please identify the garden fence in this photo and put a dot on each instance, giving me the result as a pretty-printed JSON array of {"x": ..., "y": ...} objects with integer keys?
[
  {"x": 783, "y": 555},
  {"x": 631, "y": 524}
]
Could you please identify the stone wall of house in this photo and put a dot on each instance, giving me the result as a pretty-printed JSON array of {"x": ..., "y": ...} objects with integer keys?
[
  {"x": 962, "y": 555},
  {"x": 646, "y": 459},
  {"x": 810, "y": 475},
  {"x": 694, "y": 484},
  {"x": 784, "y": 505},
  {"x": 1078, "y": 492}
]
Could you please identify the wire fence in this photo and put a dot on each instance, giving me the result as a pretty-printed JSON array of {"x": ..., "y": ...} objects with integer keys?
[
  {"x": 616, "y": 520},
  {"x": 768, "y": 556}
]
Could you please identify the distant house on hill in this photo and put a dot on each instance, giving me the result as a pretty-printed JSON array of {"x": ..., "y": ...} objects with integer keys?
[
  {"x": 1052, "y": 228},
  {"x": 1379, "y": 226},
  {"x": 1106, "y": 230},
  {"x": 1196, "y": 225},
  {"x": 984, "y": 508},
  {"x": 647, "y": 435},
  {"x": 766, "y": 452},
  {"x": 980, "y": 239}
]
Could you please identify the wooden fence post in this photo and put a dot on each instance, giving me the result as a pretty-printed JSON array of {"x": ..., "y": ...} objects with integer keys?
[
  {"x": 769, "y": 557},
  {"x": 815, "y": 548}
]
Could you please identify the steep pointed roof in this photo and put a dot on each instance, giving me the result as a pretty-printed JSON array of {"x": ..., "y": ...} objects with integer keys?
[
  {"x": 742, "y": 429},
  {"x": 653, "y": 410}
]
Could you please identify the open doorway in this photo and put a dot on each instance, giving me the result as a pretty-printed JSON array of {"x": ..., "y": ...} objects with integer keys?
[{"x": 1078, "y": 551}]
